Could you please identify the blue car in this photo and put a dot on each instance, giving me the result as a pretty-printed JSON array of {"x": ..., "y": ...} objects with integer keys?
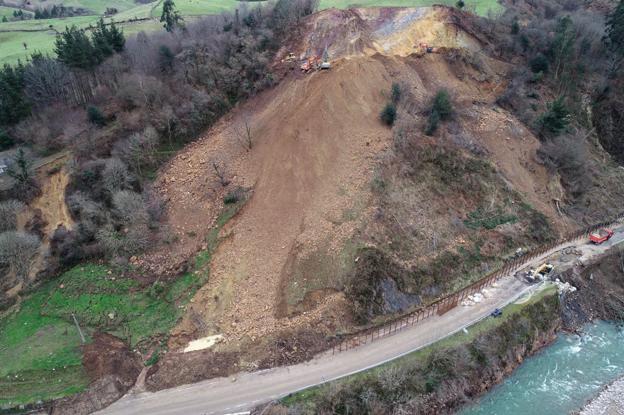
[{"x": 497, "y": 312}]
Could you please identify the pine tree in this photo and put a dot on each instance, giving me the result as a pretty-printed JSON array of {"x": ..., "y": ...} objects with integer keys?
[
  {"x": 13, "y": 103},
  {"x": 615, "y": 30},
  {"x": 20, "y": 168},
  {"x": 116, "y": 38},
  {"x": 170, "y": 16},
  {"x": 74, "y": 48},
  {"x": 100, "y": 38}
]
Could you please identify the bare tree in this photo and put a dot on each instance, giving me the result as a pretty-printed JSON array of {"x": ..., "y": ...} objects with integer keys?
[
  {"x": 242, "y": 130},
  {"x": 130, "y": 208},
  {"x": 115, "y": 175},
  {"x": 17, "y": 251},
  {"x": 8, "y": 214},
  {"x": 219, "y": 171},
  {"x": 47, "y": 80}
]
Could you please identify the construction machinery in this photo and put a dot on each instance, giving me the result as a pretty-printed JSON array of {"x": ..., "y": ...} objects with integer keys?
[
  {"x": 540, "y": 273},
  {"x": 290, "y": 58},
  {"x": 425, "y": 48},
  {"x": 310, "y": 64},
  {"x": 600, "y": 235}
]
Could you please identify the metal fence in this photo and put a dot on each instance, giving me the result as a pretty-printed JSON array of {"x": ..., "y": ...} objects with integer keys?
[{"x": 450, "y": 301}]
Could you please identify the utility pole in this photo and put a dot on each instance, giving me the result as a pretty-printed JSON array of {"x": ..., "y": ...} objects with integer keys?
[{"x": 82, "y": 338}]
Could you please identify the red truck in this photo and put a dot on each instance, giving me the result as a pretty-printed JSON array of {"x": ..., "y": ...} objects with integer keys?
[{"x": 600, "y": 235}]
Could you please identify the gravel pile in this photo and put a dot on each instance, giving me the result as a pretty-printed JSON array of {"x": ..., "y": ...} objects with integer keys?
[{"x": 609, "y": 402}]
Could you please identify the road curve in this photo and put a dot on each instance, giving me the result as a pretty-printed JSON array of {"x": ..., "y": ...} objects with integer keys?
[{"x": 247, "y": 390}]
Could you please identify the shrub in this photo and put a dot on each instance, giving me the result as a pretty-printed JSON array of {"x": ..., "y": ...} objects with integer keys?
[
  {"x": 388, "y": 114},
  {"x": 442, "y": 105},
  {"x": 95, "y": 116},
  {"x": 539, "y": 64},
  {"x": 395, "y": 93},
  {"x": 6, "y": 142},
  {"x": 556, "y": 118},
  {"x": 460, "y": 4},
  {"x": 432, "y": 123}
]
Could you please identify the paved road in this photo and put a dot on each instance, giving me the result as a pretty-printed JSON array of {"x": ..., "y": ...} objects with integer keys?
[{"x": 247, "y": 390}]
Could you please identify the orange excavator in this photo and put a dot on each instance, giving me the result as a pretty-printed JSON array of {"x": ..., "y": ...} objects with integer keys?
[{"x": 311, "y": 63}]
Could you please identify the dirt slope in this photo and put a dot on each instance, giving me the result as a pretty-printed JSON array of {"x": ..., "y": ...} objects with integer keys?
[{"x": 316, "y": 143}]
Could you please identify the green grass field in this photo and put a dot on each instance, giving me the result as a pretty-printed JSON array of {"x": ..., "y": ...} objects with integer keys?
[
  {"x": 40, "y": 346},
  {"x": 39, "y": 35}
]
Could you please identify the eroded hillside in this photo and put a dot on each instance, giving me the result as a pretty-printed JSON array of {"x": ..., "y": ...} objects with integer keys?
[{"x": 347, "y": 219}]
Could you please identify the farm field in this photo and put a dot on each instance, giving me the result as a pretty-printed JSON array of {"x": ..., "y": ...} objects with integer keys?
[{"x": 39, "y": 35}]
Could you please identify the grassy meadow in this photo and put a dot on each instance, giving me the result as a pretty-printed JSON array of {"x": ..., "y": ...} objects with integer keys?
[{"x": 39, "y": 35}]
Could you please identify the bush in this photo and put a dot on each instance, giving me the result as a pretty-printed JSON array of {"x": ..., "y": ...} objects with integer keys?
[
  {"x": 95, "y": 116},
  {"x": 6, "y": 142},
  {"x": 395, "y": 93},
  {"x": 556, "y": 118},
  {"x": 442, "y": 105},
  {"x": 388, "y": 114},
  {"x": 539, "y": 64},
  {"x": 432, "y": 123},
  {"x": 441, "y": 110}
]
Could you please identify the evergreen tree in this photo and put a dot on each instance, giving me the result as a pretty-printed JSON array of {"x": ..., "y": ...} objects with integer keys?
[
  {"x": 562, "y": 48},
  {"x": 116, "y": 38},
  {"x": 165, "y": 58},
  {"x": 75, "y": 49},
  {"x": 4, "y": 19},
  {"x": 170, "y": 16},
  {"x": 615, "y": 31},
  {"x": 20, "y": 168},
  {"x": 556, "y": 118},
  {"x": 100, "y": 38},
  {"x": 13, "y": 103}
]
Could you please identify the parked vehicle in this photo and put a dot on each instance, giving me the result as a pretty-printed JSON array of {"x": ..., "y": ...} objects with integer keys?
[
  {"x": 497, "y": 312},
  {"x": 600, "y": 235}
]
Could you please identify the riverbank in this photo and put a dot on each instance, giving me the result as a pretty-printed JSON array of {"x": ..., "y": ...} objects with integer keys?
[
  {"x": 562, "y": 377},
  {"x": 609, "y": 402}
]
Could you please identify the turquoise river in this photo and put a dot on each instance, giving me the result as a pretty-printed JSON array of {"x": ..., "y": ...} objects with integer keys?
[{"x": 560, "y": 378}]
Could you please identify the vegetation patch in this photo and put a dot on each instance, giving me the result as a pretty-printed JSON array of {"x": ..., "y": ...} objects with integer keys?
[
  {"x": 40, "y": 355},
  {"x": 488, "y": 220},
  {"x": 40, "y": 345}
]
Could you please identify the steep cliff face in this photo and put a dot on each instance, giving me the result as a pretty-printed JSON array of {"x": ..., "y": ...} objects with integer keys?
[{"x": 600, "y": 291}]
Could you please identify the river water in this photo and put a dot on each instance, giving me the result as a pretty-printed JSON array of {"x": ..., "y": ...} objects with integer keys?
[{"x": 560, "y": 378}]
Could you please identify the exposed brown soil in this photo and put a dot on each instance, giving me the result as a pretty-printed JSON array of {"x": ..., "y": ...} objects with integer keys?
[
  {"x": 114, "y": 369},
  {"x": 180, "y": 368},
  {"x": 316, "y": 142}
]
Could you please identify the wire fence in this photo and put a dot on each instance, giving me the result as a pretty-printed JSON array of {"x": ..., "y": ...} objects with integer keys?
[{"x": 450, "y": 301}]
